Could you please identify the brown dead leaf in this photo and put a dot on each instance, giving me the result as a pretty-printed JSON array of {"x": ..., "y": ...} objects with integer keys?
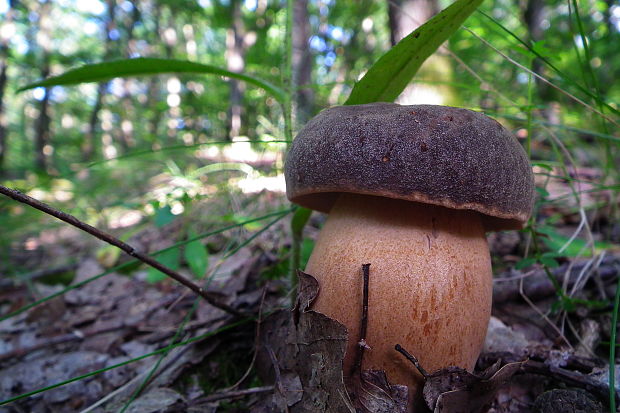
[
  {"x": 311, "y": 346},
  {"x": 289, "y": 390},
  {"x": 372, "y": 393}
]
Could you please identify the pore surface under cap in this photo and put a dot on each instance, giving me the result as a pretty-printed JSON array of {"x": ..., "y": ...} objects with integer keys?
[{"x": 439, "y": 155}]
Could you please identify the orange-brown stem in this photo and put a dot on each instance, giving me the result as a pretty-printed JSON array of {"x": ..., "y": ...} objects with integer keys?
[{"x": 431, "y": 282}]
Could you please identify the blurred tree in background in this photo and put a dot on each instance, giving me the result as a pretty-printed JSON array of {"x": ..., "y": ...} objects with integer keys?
[{"x": 49, "y": 137}]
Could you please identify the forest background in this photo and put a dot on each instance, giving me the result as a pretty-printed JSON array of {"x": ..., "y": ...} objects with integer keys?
[{"x": 185, "y": 153}]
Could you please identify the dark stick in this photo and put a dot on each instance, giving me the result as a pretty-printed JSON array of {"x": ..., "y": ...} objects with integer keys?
[
  {"x": 70, "y": 219},
  {"x": 357, "y": 365},
  {"x": 276, "y": 369},
  {"x": 412, "y": 359},
  {"x": 571, "y": 378}
]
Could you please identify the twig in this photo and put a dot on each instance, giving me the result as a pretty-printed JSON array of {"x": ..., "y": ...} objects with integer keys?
[
  {"x": 70, "y": 219},
  {"x": 356, "y": 368},
  {"x": 412, "y": 359},
  {"x": 233, "y": 393},
  {"x": 571, "y": 378},
  {"x": 276, "y": 370},
  {"x": 256, "y": 343}
]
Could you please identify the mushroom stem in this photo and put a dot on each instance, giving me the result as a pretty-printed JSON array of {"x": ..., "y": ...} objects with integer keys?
[{"x": 431, "y": 282}]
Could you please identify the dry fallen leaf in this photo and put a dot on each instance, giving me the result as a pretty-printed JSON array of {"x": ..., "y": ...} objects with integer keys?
[
  {"x": 310, "y": 345},
  {"x": 372, "y": 393}
]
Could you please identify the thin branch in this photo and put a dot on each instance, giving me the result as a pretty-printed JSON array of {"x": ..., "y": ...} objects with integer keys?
[
  {"x": 276, "y": 369},
  {"x": 70, "y": 219},
  {"x": 412, "y": 359},
  {"x": 256, "y": 344},
  {"x": 571, "y": 378}
]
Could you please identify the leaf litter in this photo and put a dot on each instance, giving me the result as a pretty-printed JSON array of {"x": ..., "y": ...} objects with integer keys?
[{"x": 525, "y": 366}]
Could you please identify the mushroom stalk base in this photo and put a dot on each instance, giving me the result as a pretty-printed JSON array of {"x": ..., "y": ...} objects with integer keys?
[{"x": 430, "y": 282}]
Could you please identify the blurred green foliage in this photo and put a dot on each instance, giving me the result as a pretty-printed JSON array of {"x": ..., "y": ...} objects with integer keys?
[{"x": 147, "y": 144}]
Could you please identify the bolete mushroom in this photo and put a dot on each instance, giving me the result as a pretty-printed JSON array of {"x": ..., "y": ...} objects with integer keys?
[{"x": 411, "y": 190}]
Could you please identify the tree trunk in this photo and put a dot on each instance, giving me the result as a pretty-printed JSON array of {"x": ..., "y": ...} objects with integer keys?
[
  {"x": 42, "y": 126},
  {"x": 154, "y": 85},
  {"x": 534, "y": 15},
  {"x": 302, "y": 62},
  {"x": 89, "y": 146},
  {"x": 3, "y": 122},
  {"x": 404, "y": 17},
  {"x": 4, "y": 64},
  {"x": 407, "y": 15},
  {"x": 235, "y": 62},
  {"x": 126, "y": 126}
]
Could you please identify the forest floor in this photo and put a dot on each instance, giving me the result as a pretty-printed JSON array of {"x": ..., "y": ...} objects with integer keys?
[{"x": 131, "y": 345}]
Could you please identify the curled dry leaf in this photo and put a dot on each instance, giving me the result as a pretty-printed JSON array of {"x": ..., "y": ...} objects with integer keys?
[{"x": 308, "y": 345}]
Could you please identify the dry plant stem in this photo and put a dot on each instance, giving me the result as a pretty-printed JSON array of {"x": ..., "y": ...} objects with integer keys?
[
  {"x": 259, "y": 320},
  {"x": 276, "y": 370},
  {"x": 361, "y": 344},
  {"x": 571, "y": 378},
  {"x": 412, "y": 359},
  {"x": 543, "y": 315},
  {"x": 70, "y": 219}
]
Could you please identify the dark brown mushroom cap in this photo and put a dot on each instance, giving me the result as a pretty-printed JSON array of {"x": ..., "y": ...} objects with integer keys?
[{"x": 439, "y": 155}]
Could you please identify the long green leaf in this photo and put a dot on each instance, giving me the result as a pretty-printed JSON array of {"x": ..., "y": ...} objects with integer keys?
[
  {"x": 141, "y": 66},
  {"x": 387, "y": 78}
]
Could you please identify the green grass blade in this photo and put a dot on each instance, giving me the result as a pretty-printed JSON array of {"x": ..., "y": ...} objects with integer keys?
[
  {"x": 566, "y": 78},
  {"x": 389, "y": 76},
  {"x": 142, "y": 66}
]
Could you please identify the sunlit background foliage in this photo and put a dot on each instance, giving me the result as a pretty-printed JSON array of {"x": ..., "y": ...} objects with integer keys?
[{"x": 120, "y": 151}]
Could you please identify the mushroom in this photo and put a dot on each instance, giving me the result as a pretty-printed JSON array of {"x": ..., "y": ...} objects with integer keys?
[{"x": 411, "y": 190}]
